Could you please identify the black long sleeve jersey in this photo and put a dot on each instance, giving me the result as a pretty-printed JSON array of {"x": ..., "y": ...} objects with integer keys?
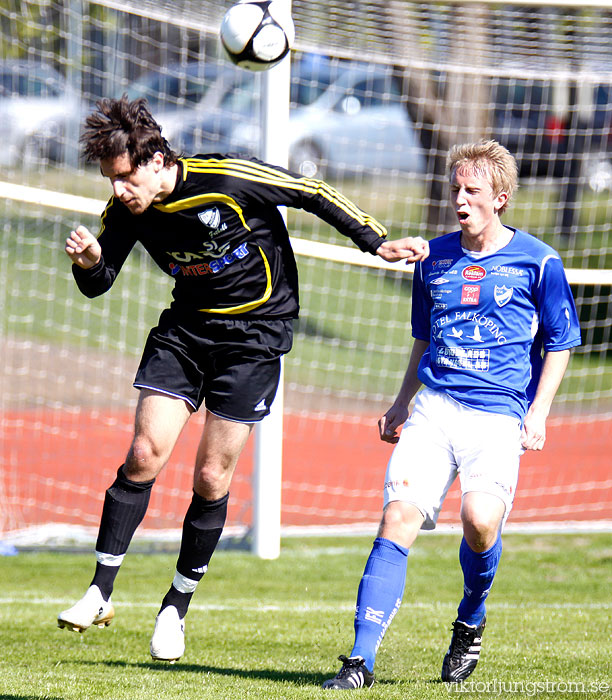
[{"x": 221, "y": 237}]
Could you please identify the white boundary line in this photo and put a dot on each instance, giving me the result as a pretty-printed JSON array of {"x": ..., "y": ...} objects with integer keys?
[{"x": 244, "y": 605}]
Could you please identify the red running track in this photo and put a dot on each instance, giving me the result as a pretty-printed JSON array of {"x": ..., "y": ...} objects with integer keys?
[{"x": 56, "y": 466}]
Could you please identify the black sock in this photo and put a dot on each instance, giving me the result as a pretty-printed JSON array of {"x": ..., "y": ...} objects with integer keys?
[
  {"x": 125, "y": 505},
  {"x": 104, "y": 579},
  {"x": 202, "y": 529},
  {"x": 179, "y": 600}
]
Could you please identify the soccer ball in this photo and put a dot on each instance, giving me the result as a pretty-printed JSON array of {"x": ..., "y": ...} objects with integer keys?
[{"x": 257, "y": 34}]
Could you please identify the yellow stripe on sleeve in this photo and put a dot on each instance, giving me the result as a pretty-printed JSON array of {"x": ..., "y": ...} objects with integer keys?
[{"x": 256, "y": 172}]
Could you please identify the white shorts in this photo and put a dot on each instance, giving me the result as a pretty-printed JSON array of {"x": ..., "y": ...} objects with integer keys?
[{"x": 443, "y": 438}]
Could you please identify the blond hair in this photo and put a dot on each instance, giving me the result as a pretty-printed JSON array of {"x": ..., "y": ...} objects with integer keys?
[{"x": 489, "y": 159}]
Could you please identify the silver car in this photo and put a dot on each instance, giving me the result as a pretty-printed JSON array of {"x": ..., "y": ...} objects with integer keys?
[
  {"x": 345, "y": 118},
  {"x": 357, "y": 124}
]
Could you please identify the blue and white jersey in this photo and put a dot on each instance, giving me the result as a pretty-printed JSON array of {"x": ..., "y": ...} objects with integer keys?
[{"x": 487, "y": 319}]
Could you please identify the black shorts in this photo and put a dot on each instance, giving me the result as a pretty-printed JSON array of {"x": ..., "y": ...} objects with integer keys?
[{"x": 232, "y": 366}]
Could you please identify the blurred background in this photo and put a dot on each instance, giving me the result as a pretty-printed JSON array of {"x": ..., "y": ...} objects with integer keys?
[{"x": 380, "y": 91}]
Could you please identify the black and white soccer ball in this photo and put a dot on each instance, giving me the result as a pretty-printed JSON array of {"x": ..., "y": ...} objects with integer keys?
[{"x": 257, "y": 34}]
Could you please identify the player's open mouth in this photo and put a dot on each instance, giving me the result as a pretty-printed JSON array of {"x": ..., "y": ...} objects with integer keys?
[{"x": 462, "y": 215}]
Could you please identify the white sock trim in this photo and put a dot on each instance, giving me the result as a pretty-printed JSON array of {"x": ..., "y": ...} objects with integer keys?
[
  {"x": 184, "y": 584},
  {"x": 109, "y": 559}
]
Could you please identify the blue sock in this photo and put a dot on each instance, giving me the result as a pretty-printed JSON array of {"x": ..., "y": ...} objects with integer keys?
[
  {"x": 479, "y": 570},
  {"x": 379, "y": 597}
]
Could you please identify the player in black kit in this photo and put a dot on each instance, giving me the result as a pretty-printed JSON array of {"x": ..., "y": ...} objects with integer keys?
[{"x": 212, "y": 223}]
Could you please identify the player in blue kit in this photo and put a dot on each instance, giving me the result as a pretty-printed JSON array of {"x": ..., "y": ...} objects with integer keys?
[{"x": 493, "y": 321}]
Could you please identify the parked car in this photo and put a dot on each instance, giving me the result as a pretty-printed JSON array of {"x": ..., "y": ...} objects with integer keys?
[
  {"x": 39, "y": 113},
  {"x": 358, "y": 124},
  {"x": 345, "y": 117},
  {"x": 233, "y": 99}
]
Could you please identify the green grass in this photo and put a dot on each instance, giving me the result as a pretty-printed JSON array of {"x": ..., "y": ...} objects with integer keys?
[{"x": 273, "y": 629}]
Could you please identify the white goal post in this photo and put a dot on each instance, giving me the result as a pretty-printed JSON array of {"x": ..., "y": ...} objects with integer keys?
[{"x": 268, "y": 456}]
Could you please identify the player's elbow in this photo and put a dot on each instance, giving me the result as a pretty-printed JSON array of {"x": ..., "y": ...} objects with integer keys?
[{"x": 92, "y": 292}]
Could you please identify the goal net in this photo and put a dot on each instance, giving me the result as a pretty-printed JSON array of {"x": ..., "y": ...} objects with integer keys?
[{"x": 379, "y": 92}]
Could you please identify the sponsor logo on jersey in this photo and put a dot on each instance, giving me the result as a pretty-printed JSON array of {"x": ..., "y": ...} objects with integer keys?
[
  {"x": 502, "y": 295},
  {"x": 483, "y": 322},
  {"x": 440, "y": 322},
  {"x": 476, "y": 335},
  {"x": 506, "y": 270},
  {"x": 445, "y": 262},
  {"x": 439, "y": 292},
  {"x": 439, "y": 280},
  {"x": 211, "y": 250},
  {"x": 473, "y": 273},
  {"x": 212, "y": 267},
  {"x": 470, "y": 294},
  {"x": 463, "y": 358}
]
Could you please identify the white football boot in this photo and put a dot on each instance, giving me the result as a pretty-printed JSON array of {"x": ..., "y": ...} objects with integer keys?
[
  {"x": 168, "y": 640},
  {"x": 92, "y": 609}
]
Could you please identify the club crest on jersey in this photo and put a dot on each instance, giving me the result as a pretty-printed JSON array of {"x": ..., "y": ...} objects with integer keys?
[
  {"x": 502, "y": 295},
  {"x": 473, "y": 273},
  {"x": 211, "y": 218}
]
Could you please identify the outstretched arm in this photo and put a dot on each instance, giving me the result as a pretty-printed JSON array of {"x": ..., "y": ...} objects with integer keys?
[
  {"x": 533, "y": 436},
  {"x": 408, "y": 249}
]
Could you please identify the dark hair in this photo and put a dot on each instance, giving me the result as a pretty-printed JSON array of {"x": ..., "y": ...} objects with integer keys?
[{"x": 121, "y": 126}]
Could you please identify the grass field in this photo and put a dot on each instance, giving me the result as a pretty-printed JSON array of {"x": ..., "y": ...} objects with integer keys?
[{"x": 273, "y": 629}]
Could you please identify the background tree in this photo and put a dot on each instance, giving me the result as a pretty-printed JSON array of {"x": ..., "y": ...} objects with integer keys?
[{"x": 445, "y": 107}]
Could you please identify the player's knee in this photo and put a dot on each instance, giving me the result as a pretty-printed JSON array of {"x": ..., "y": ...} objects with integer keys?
[
  {"x": 481, "y": 516},
  {"x": 480, "y": 533},
  {"x": 212, "y": 481},
  {"x": 144, "y": 458},
  {"x": 401, "y": 523}
]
